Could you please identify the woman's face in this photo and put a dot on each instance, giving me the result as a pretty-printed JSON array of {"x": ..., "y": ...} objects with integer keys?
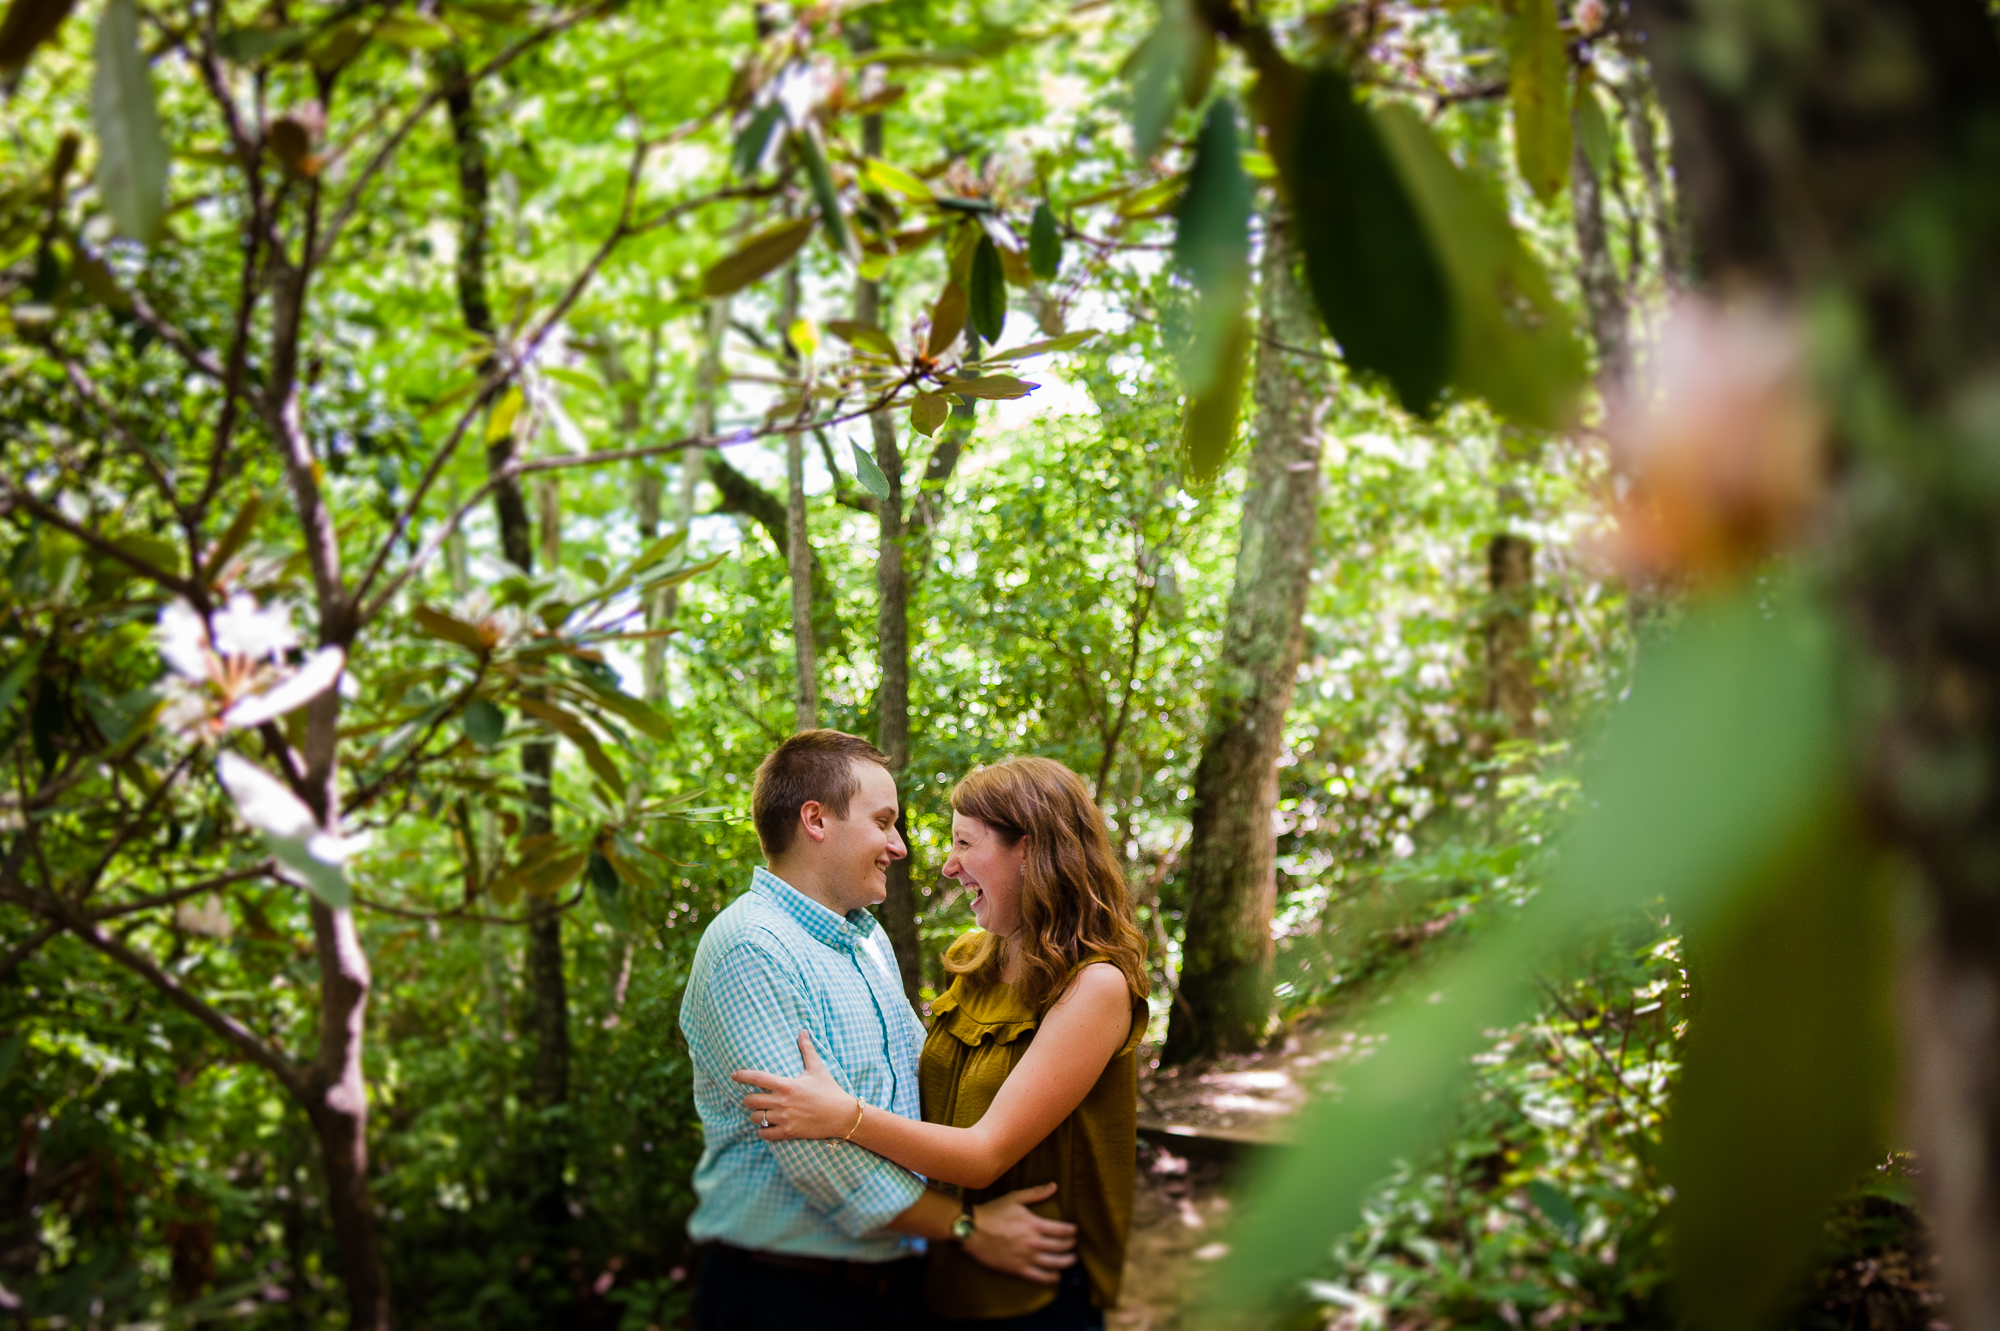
[{"x": 986, "y": 866}]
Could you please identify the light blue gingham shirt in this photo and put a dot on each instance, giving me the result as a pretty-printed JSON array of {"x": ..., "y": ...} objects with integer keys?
[{"x": 773, "y": 963}]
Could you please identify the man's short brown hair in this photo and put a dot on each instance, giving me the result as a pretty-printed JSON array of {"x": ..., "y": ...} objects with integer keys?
[{"x": 811, "y": 765}]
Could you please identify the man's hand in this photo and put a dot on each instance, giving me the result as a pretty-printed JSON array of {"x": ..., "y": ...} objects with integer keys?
[{"x": 1010, "y": 1238}]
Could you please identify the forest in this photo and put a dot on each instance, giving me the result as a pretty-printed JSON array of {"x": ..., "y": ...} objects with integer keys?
[{"x": 1498, "y": 499}]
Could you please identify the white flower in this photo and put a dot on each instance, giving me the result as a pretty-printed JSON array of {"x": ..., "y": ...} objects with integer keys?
[
  {"x": 243, "y": 629},
  {"x": 182, "y": 640},
  {"x": 320, "y": 672}
]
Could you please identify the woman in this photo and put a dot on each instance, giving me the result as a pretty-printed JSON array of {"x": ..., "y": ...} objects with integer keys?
[{"x": 1030, "y": 1073}]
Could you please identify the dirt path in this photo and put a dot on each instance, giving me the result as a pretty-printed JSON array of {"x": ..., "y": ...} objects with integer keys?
[{"x": 1223, "y": 1110}]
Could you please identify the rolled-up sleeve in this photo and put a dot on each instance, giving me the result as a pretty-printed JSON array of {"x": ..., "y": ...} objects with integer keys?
[{"x": 759, "y": 1011}]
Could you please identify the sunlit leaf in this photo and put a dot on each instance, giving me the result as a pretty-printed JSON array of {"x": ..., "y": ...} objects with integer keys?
[
  {"x": 1725, "y": 757},
  {"x": 500, "y": 422},
  {"x": 413, "y": 32},
  {"x": 573, "y": 378},
  {"x": 1513, "y": 342},
  {"x": 992, "y": 387},
  {"x": 893, "y": 179},
  {"x": 866, "y": 337},
  {"x": 1157, "y": 69},
  {"x": 1208, "y": 430},
  {"x": 1066, "y": 342},
  {"x": 438, "y": 624},
  {"x": 869, "y": 474},
  {"x": 947, "y": 320},
  {"x": 1212, "y": 246},
  {"x": 131, "y": 154},
  {"x": 928, "y": 411},
  {"x": 1374, "y": 274},
  {"x": 1537, "y": 88},
  {"x": 1593, "y": 130},
  {"x": 763, "y": 253}
]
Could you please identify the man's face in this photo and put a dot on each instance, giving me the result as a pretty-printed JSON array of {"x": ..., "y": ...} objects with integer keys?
[{"x": 858, "y": 849}]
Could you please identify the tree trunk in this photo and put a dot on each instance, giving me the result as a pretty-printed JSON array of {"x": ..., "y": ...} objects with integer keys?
[
  {"x": 548, "y": 1020},
  {"x": 1603, "y": 293},
  {"x": 339, "y": 1114},
  {"x": 1809, "y": 174},
  {"x": 1634, "y": 96},
  {"x": 798, "y": 548},
  {"x": 1510, "y": 635},
  {"x": 892, "y": 611},
  {"x": 1226, "y": 954}
]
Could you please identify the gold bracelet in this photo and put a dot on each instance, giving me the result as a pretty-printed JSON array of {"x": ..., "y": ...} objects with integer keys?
[{"x": 857, "y": 1119}]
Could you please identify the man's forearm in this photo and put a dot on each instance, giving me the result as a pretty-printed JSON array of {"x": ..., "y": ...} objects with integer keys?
[{"x": 929, "y": 1217}]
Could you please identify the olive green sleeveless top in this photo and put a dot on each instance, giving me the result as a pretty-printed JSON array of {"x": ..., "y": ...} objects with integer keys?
[{"x": 978, "y": 1035}]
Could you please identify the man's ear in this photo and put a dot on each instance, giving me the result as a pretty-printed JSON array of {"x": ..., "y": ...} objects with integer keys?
[{"x": 812, "y": 818}]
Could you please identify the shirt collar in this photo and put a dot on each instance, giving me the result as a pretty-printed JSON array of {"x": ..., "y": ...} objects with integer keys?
[{"x": 845, "y": 932}]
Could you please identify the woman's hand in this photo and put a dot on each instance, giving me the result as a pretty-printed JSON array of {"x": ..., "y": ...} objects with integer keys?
[{"x": 798, "y": 1108}]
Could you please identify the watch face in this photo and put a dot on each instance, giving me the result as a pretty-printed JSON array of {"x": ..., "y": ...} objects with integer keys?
[{"x": 961, "y": 1228}]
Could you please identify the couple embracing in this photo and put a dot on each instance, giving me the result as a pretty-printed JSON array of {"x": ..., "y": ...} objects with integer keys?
[{"x": 861, "y": 1174}]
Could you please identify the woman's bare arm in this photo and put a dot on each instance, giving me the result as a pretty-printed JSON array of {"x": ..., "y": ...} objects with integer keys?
[{"x": 1072, "y": 1046}]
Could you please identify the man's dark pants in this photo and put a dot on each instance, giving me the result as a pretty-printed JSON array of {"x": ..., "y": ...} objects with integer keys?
[{"x": 739, "y": 1290}]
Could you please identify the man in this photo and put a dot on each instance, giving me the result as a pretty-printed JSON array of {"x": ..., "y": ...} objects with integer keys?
[{"x": 807, "y": 1235}]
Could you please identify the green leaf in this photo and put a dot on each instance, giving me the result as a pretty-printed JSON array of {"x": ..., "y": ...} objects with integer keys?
[
  {"x": 947, "y": 319},
  {"x": 1044, "y": 243},
  {"x": 1726, "y": 755},
  {"x": 806, "y": 144},
  {"x": 484, "y": 723},
  {"x": 17, "y": 677},
  {"x": 755, "y": 141},
  {"x": 27, "y": 25},
  {"x": 414, "y": 32},
  {"x": 763, "y": 253},
  {"x": 1513, "y": 342},
  {"x": 500, "y": 423},
  {"x": 657, "y": 551},
  {"x": 988, "y": 292},
  {"x": 1208, "y": 431},
  {"x": 893, "y": 179},
  {"x": 1593, "y": 130},
  {"x": 928, "y": 411},
  {"x": 1537, "y": 80},
  {"x": 1555, "y": 1204},
  {"x": 639, "y": 712},
  {"x": 1371, "y": 265},
  {"x": 131, "y": 154},
  {"x": 1065, "y": 342},
  {"x": 1157, "y": 68},
  {"x": 248, "y": 45},
  {"x": 438, "y": 624},
  {"x": 1212, "y": 245},
  {"x": 1787, "y": 1092},
  {"x": 10, "y": 1053},
  {"x": 571, "y": 727},
  {"x": 991, "y": 387},
  {"x": 573, "y": 378},
  {"x": 866, "y": 337},
  {"x": 607, "y": 887},
  {"x": 869, "y": 474}
]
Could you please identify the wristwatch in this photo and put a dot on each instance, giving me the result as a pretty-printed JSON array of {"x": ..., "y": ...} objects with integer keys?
[{"x": 963, "y": 1228}]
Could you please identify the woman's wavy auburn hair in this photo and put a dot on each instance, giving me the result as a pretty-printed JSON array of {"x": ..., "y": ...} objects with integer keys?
[{"x": 1073, "y": 897}]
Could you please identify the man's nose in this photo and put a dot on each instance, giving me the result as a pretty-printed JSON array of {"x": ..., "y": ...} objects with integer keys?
[{"x": 897, "y": 850}]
